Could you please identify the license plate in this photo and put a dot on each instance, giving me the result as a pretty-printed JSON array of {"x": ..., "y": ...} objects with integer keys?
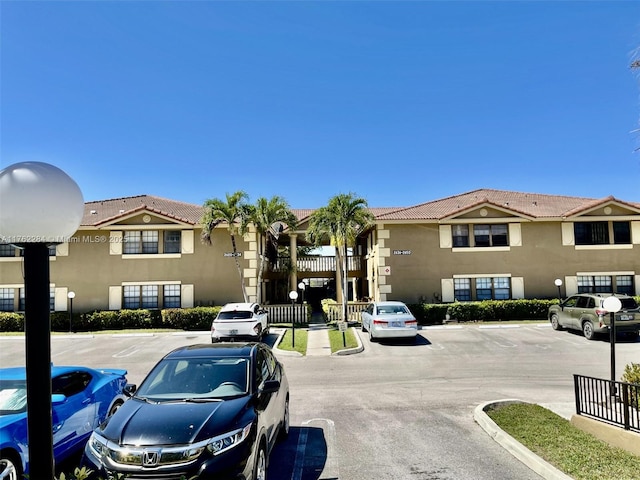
[
  {"x": 233, "y": 331},
  {"x": 626, "y": 317},
  {"x": 395, "y": 324}
]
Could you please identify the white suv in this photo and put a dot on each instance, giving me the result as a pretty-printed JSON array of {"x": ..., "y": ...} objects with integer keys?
[{"x": 240, "y": 321}]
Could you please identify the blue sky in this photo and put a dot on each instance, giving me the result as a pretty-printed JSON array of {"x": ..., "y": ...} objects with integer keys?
[{"x": 399, "y": 102}]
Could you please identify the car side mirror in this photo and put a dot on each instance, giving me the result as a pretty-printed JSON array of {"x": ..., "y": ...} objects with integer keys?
[
  {"x": 271, "y": 386},
  {"x": 129, "y": 389},
  {"x": 58, "y": 398}
]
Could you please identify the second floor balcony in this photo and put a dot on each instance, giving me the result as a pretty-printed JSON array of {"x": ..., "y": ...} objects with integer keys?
[{"x": 317, "y": 264}]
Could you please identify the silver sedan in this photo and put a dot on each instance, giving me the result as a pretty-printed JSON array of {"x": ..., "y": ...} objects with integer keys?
[{"x": 389, "y": 320}]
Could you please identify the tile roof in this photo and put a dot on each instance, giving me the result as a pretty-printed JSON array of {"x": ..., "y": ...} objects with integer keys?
[
  {"x": 103, "y": 211},
  {"x": 533, "y": 205}
]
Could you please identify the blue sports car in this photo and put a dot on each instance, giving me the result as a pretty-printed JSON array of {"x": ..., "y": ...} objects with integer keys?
[{"x": 82, "y": 399}]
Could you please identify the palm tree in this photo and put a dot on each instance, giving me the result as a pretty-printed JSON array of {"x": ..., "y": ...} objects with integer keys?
[
  {"x": 344, "y": 218},
  {"x": 266, "y": 215},
  {"x": 235, "y": 213}
]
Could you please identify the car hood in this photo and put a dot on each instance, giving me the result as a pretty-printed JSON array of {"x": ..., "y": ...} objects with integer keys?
[
  {"x": 8, "y": 420},
  {"x": 171, "y": 423}
]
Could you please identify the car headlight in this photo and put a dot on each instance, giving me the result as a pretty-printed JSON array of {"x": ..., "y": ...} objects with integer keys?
[{"x": 229, "y": 440}]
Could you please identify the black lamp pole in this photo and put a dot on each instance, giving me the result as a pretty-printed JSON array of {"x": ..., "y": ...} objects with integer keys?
[
  {"x": 38, "y": 360},
  {"x": 612, "y": 342}
]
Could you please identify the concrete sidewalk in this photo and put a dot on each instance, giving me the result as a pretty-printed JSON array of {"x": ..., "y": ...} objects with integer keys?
[{"x": 318, "y": 339}]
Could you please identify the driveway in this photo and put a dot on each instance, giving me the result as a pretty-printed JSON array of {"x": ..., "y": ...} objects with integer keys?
[{"x": 394, "y": 411}]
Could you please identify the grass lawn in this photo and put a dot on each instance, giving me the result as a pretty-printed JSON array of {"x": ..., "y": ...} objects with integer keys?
[
  {"x": 338, "y": 341},
  {"x": 574, "y": 452},
  {"x": 300, "y": 340}
]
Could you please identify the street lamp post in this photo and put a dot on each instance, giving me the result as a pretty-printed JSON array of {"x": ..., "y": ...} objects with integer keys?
[
  {"x": 293, "y": 295},
  {"x": 612, "y": 305},
  {"x": 71, "y": 295},
  {"x": 41, "y": 206},
  {"x": 301, "y": 286},
  {"x": 558, "y": 283}
]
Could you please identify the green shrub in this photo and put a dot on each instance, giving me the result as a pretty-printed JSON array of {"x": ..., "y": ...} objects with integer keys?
[
  {"x": 632, "y": 375},
  {"x": 11, "y": 322},
  {"x": 190, "y": 319}
]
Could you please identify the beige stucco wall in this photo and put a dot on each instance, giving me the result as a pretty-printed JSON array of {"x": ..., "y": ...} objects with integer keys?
[
  {"x": 540, "y": 258},
  {"x": 89, "y": 268}
]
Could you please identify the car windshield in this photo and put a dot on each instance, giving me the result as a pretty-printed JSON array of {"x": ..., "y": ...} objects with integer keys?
[
  {"x": 196, "y": 378},
  {"x": 392, "y": 309},
  {"x": 13, "y": 396},
  {"x": 235, "y": 315}
]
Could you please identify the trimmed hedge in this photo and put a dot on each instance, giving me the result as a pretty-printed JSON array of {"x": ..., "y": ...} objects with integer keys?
[
  {"x": 200, "y": 318},
  {"x": 487, "y": 310},
  {"x": 190, "y": 319}
]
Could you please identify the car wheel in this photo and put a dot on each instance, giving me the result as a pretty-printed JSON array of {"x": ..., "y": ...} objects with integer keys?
[
  {"x": 555, "y": 322},
  {"x": 371, "y": 337},
  {"x": 284, "y": 427},
  {"x": 364, "y": 329},
  {"x": 114, "y": 408},
  {"x": 587, "y": 330},
  {"x": 260, "y": 469},
  {"x": 9, "y": 467}
]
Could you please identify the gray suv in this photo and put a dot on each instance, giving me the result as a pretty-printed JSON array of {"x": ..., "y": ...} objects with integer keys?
[{"x": 584, "y": 312}]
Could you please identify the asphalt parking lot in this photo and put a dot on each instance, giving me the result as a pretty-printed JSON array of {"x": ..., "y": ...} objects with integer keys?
[{"x": 395, "y": 410}]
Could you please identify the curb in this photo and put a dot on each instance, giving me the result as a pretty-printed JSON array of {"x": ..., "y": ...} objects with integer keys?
[
  {"x": 286, "y": 353},
  {"x": 351, "y": 351},
  {"x": 526, "y": 456}
]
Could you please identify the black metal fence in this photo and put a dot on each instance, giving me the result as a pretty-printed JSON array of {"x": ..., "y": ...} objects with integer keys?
[{"x": 617, "y": 403}]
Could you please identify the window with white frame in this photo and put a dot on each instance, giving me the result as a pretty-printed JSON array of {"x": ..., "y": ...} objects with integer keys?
[
  {"x": 601, "y": 233},
  {"x": 141, "y": 296},
  {"x": 462, "y": 289},
  {"x": 606, "y": 284},
  {"x": 171, "y": 296},
  {"x": 6, "y": 299},
  {"x": 482, "y": 288},
  {"x": 148, "y": 242},
  {"x": 460, "y": 235},
  {"x": 490, "y": 235},
  {"x": 172, "y": 241}
]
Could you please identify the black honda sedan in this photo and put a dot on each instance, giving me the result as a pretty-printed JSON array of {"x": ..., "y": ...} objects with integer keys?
[{"x": 203, "y": 412}]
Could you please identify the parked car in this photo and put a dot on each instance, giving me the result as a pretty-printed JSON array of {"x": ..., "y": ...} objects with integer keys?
[
  {"x": 204, "y": 411},
  {"x": 585, "y": 312},
  {"x": 82, "y": 399},
  {"x": 237, "y": 321},
  {"x": 388, "y": 320}
]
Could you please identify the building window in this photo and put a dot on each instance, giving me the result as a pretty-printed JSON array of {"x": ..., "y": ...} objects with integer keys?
[
  {"x": 7, "y": 250},
  {"x": 140, "y": 296},
  {"x": 604, "y": 284},
  {"x": 6, "y": 299},
  {"x": 600, "y": 233},
  {"x": 460, "y": 234},
  {"x": 490, "y": 235},
  {"x": 171, "y": 296},
  {"x": 485, "y": 288},
  {"x": 172, "y": 243},
  {"x": 501, "y": 288},
  {"x": 462, "y": 289},
  {"x": 131, "y": 297},
  {"x": 591, "y": 233},
  {"x": 621, "y": 233},
  {"x": 149, "y": 296},
  {"x": 595, "y": 284},
  {"x": 624, "y": 284}
]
